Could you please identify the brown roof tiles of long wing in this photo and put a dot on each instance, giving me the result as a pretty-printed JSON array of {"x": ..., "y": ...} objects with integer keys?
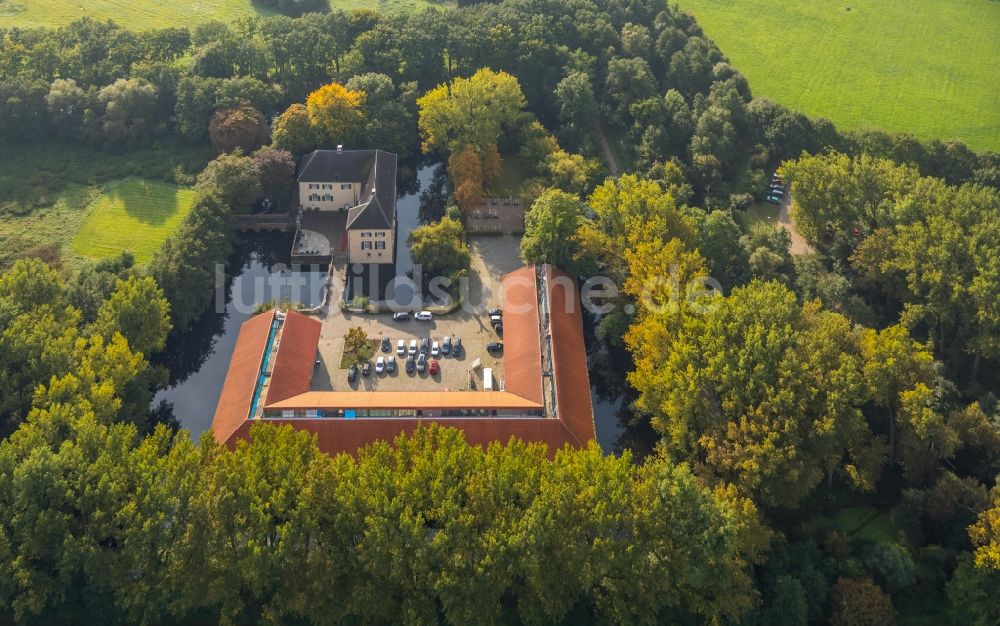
[
  {"x": 522, "y": 335},
  {"x": 244, "y": 368},
  {"x": 293, "y": 365},
  {"x": 569, "y": 355}
]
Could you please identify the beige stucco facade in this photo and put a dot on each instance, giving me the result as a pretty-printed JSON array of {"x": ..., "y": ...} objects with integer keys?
[
  {"x": 370, "y": 246},
  {"x": 329, "y": 196}
]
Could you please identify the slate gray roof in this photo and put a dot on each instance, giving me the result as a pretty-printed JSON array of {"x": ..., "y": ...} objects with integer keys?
[{"x": 375, "y": 169}]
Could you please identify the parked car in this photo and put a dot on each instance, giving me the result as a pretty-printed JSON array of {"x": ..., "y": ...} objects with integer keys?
[
  {"x": 401, "y": 316},
  {"x": 435, "y": 349},
  {"x": 435, "y": 368},
  {"x": 446, "y": 345},
  {"x": 409, "y": 363},
  {"x": 496, "y": 312},
  {"x": 421, "y": 363},
  {"x": 498, "y": 328},
  {"x": 456, "y": 349},
  {"x": 352, "y": 374},
  {"x": 496, "y": 319},
  {"x": 425, "y": 345},
  {"x": 413, "y": 347},
  {"x": 380, "y": 365},
  {"x": 390, "y": 365},
  {"x": 423, "y": 316},
  {"x": 366, "y": 368},
  {"x": 774, "y": 199},
  {"x": 495, "y": 347},
  {"x": 386, "y": 346},
  {"x": 400, "y": 347}
]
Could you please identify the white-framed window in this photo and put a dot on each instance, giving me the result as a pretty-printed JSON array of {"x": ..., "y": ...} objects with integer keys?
[
  {"x": 366, "y": 233},
  {"x": 313, "y": 186},
  {"x": 366, "y": 245},
  {"x": 380, "y": 233},
  {"x": 345, "y": 185},
  {"x": 380, "y": 245}
]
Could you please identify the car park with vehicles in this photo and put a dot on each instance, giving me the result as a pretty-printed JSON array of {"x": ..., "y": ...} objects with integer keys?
[
  {"x": 400, "y": 347},
  {"x": 380, "y": 365},
  {"x": 423, "y": 316},
  {"x": 494, "y": 347},
  {"x": 421, "y": 363},
  {"x": 390, "y": 365},
  {"x": 446, "y": 345},
  {"x": 352, "y": 374},
  {"x": 425, "y": 345},
  {"x": 435, "y": 349},
  {"x": 456, "y": 348},
  {"x": 413, "y": 347},
  {"x": 409, "y": 363},
  {"x": 366, "y": 368},
  {"x": 401, "y": 316},
  {"x": 386, "y": 345}
]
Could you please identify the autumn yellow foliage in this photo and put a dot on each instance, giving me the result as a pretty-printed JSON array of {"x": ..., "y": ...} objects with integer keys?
[{"x": 335, "y": 110}]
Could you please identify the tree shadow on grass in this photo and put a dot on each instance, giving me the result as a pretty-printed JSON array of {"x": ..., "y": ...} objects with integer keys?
[{"x": 147, "y": 202}]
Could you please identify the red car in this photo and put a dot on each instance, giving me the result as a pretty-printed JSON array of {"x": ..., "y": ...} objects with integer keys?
[{"x": 435, "y": 368}]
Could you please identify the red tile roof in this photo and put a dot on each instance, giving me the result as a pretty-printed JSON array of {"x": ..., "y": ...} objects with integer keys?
[
  {"x": 336, "y": 436},
  {"x": 292, "y": 368},
  {"x": 522, "y": 361},
  {"x": 569, "y": 355},
  {"x": 573, "y": 423},
  {"x": 244, "y": 368}
]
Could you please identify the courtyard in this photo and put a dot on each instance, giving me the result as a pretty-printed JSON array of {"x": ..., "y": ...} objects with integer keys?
[{"x": 492, "y": 257}]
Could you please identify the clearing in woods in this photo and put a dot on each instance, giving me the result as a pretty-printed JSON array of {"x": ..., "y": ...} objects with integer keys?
[{"x": 136, "y": 215}]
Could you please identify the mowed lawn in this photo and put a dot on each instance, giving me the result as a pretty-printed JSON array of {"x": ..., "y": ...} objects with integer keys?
[
  {"x": 136, "y": 215},
  {"x": 924, "y": 66},
  {"x": 144, "y": 14}
]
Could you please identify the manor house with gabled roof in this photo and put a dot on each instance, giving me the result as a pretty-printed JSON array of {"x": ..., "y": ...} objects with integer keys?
[{"x": 361, "y": 183}]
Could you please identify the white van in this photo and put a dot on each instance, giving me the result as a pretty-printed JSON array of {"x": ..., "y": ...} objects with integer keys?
[{"x": 488, "y": 379}]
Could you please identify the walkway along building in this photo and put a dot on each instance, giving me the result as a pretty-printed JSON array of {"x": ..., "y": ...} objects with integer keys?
[{"x": 546, "y": 395}]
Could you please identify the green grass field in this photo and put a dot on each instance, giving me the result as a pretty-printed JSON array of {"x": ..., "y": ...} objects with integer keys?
[
  {"x": 142, "y": 14},
  {"x": 758, "y": 212},
  {"x": 931, "y": 68},
  {"x": 136, "y": 215},
  {"x": 47, "y": 188}
]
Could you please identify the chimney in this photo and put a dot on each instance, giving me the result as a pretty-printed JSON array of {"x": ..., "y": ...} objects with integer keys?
[{"x": 340, "y": 148}]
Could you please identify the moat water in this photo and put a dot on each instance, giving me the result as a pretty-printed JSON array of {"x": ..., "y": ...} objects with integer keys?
[{"x": 259, "y": 271}]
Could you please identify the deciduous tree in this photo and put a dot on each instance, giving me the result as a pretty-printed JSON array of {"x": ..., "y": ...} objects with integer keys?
[
  {"x": 472, "y": 111},
  {"x": 336, "y": 112},
  {"x": 438, "y": 247},
  {"x": 243, "y": 127},
  {"x": 550, "y": 228}
]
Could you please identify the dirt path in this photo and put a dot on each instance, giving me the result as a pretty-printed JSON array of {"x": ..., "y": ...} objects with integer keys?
[
  {"x": 799, "y": 245},
  {"x": 609, "y": 156}
]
